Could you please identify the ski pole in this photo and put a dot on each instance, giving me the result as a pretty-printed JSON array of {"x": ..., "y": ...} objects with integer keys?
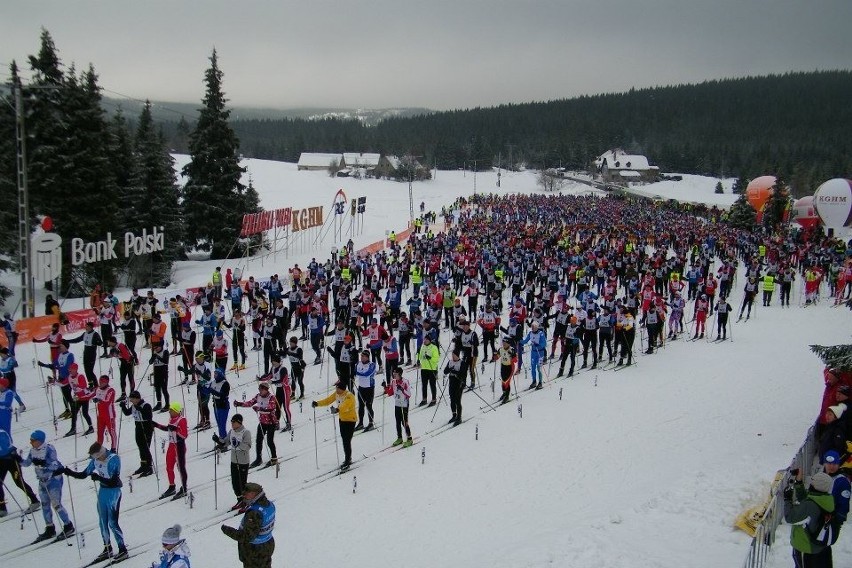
[
  {"x": 384, "y": 399},
  {"x": 24, "y": 512},
  {"x": 156, "y": 464},
  {"x": 336, "y": 449},
  {"x": 216, "y": 479},
  {"x": 437, "y": 406},
  {"x": 74, "y": 516},
  {"x": 316, "y": 445}
]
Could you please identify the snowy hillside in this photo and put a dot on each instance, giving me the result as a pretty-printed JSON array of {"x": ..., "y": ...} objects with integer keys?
[{"x": 642, "y": 467}]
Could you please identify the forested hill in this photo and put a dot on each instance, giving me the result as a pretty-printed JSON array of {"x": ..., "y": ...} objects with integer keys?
[{"x": 796, "y": 125}]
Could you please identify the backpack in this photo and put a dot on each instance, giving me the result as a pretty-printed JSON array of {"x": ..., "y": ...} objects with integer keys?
[{"x": 827, "y": 530}]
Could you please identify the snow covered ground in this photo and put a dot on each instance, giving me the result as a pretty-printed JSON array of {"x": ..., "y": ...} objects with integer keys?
[
  {"x": 692, "y": 188},
  {"x": 645, "y": 467}
]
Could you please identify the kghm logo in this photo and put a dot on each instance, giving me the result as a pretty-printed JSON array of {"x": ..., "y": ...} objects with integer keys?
[{"x": 832, "y": 199}]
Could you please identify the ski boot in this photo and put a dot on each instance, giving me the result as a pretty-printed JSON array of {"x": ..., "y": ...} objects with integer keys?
[
  {"x": 103, "y": 556},
  {"x": 67, "y": 531},
  {"x": 397, "y": 442},
  {"x": 49, "y": 533},
  {"x": 180, "y": 494},
  {"x": 408, "y": 443},
  {"x": 168, "y": 492}
]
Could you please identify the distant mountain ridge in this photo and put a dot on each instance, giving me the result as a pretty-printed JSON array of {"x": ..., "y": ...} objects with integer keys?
[{"x": 164, "y": 111}]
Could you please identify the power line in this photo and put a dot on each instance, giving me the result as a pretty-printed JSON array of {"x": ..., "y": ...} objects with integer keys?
[{"x": 153, "y": 105}]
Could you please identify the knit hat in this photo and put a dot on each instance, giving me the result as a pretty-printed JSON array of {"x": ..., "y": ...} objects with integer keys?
[
  {"x": 838, "y": 409},
  {"x": 172, "y": 535},
  {"x": 175, "y": 407},
  {"x": 38, "y": 436},
  {"x": 822, "y": 482},
  {"x": 237, "y": 418},
  {"x": 831, "y": 457},
  {"x": 252, "y": 488},
  {"x": 134, "y": 394}
]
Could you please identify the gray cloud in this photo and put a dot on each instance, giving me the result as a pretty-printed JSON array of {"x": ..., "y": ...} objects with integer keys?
[{"x": 439, "y": 54}]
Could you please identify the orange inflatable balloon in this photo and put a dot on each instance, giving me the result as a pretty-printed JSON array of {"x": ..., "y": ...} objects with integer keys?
[{"x": 759, "y": 190}]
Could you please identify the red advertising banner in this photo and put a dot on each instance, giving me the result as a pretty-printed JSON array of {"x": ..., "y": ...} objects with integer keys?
[{"x": 254, "y": 223}]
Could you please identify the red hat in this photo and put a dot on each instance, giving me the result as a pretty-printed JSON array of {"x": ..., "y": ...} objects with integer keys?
[
  {"x": 4, "y": 382},
  {"x": 73, "y": 367}
]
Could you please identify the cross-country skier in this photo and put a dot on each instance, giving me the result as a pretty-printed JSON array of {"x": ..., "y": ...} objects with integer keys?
[
  {"x": 143, "y": 417},
  {"x": 176, "y": 451},
  {"x": 43, "y": 458},
  {"x": 268, "y": 417},
  {"x": 105, "y": 469}
]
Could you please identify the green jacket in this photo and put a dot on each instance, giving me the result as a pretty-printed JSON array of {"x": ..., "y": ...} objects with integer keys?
[
  {"x": 805, "y": 518},
  {"x": 429, "y": 357}
]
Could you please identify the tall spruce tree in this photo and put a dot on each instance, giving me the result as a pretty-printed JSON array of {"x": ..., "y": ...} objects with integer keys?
[
  {"x": 8, "y": 185},
  {"x": 71, "y": 178},
  {"x": 154, "y": 182},
  {"x": 776, "y": 207},
  {"x": 214, "y": 198}
]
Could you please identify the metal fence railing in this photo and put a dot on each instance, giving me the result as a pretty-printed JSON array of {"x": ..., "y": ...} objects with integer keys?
[{"x": 764, "y": 536}]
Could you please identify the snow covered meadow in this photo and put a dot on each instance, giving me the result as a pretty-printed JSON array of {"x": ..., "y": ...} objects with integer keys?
[{"x": 645, "y": 467}]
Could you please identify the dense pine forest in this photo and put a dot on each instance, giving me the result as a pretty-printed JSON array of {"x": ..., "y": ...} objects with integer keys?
[{"x": 795, "y": 125}]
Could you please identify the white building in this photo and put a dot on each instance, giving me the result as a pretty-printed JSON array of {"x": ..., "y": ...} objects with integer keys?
[{"x": 620, "y": 167}]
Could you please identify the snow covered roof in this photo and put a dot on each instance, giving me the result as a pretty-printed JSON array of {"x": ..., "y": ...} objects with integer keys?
[
  {"x": 618, "y": 159},
  {"x": 361, "y": 159},
  {"x": 629, "y": 174},
  {"x": 317, "y": 160}
]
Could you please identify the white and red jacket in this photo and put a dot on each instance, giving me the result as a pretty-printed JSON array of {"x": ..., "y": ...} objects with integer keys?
[
  {"x": 80, "y": 388},
  {"x": 105, "y": 398},
  {"x": 265, "y": 406},
  {"x": 400, "y": 389},
  {"x": 180, "y": 429}
]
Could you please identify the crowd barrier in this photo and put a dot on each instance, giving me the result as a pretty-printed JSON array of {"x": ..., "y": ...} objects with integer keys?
[
  {"x": 764, "y": 537},
  {"x": 74, "y": 321}
]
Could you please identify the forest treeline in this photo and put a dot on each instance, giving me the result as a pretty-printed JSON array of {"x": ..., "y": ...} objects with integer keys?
[{"x": 795, "y": 125}]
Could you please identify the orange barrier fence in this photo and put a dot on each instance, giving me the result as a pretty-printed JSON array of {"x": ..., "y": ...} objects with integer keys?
[{"x": 39, "y": 327}]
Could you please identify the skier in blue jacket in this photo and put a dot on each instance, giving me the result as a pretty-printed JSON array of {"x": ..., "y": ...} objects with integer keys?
[
  {"x": 43, "y": 458},
  {"x": 105, "y": 468},
  {"x": 537, "y": 339}
]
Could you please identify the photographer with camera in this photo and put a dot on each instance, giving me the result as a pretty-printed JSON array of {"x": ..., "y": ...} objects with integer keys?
[{"x": 810, "y": 514}]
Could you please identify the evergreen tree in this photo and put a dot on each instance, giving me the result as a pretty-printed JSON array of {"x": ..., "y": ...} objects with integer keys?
[
  {"x": 719, "y": 188},
  {"x": 742, "y": 215},
  {"x": 155, "y": 184},
  {"x": 8, "y": 185},
  {"x": 835, "y": 357},
  {"x": 71, "y": 178},
  {"x": 120, "y": 149},
  {"x": 740, "y": 185},
  {"x": 776, "y": 207},
  {"x": 214, "y": 198}
]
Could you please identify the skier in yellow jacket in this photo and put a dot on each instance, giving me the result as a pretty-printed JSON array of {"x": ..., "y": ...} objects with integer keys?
[{"x": 347, "y": 415}]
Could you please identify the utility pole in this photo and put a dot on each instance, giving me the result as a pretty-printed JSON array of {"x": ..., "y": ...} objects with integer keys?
[
  {"x": 410, "y": 199},
  {"x": 24, "y": 256}
]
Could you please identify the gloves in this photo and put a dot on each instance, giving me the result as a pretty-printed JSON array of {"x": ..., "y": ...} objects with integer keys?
[
  {"x": 58, "y": 472},
  {"x": 96, "y": 477},
  {"x": 37, "y": 461},
  {"x": 96, "y": 399},
  {"x": 334, "y": 410},
  {"x": 314, "y": 403},
  {"x": 171, "y": 428},
  {"x": 256, "y": 408},
  {"x": 384, "y": 385},
  {"x": 788, "y": 493}
]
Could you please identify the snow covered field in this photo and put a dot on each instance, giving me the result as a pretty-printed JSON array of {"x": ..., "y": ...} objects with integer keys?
[{"x": 645, "y": 467}]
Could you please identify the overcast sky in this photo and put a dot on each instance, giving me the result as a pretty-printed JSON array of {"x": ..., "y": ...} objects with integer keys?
[{"x": 439, "y": 54}]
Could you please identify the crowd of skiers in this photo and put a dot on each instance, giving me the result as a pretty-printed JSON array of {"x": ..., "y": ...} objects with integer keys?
[{"x": 520, "y": 282}]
